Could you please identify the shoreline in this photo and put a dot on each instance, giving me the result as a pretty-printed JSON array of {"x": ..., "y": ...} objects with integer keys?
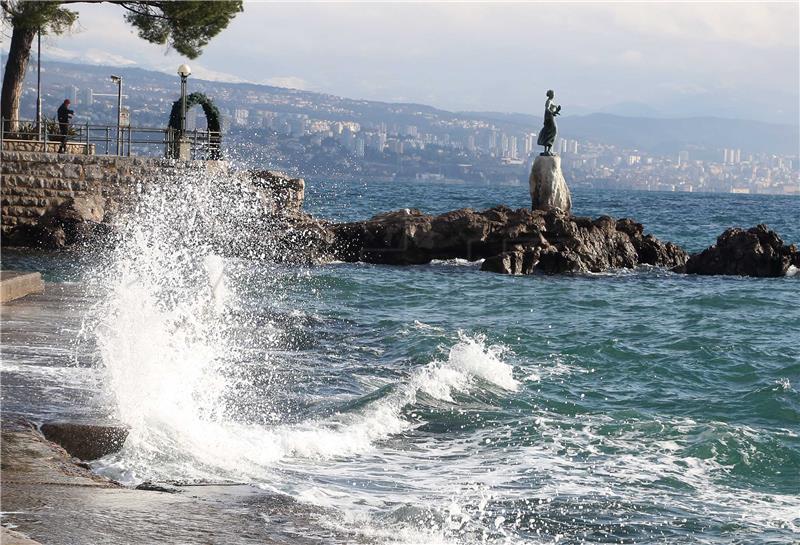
[{"x": 50, "y": 498}]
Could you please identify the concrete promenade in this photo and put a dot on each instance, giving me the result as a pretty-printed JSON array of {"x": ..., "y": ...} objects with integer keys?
[{"x": 16, "y": 284}]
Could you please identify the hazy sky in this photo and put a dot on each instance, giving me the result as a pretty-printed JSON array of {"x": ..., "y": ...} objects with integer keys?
[{"x": 727, "y": 59}]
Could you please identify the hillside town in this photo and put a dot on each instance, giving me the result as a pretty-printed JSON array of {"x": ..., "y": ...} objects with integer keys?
[{"x": 313, "y": 134}]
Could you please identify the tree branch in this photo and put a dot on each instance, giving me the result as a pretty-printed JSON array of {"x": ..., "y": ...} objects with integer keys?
[{"x": 125, "y": 4}]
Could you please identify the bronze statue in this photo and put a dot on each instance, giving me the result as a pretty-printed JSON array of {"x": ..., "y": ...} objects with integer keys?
[{"x": 547, "y": 136}]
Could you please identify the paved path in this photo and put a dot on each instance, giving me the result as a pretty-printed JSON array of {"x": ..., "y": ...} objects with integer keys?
[
  {"x": 16, "y": 284},
  {"x": 49, "y": 498}
]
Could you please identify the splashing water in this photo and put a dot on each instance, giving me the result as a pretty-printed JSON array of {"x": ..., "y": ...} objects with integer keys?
[
  {"x": 206, "y": 357},
  {"x": 170, "y": 338}
]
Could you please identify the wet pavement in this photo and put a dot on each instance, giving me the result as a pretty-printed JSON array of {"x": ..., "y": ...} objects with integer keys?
[
  {"x": 49, "y": 373},
  {"x": 51, "y": 498}
]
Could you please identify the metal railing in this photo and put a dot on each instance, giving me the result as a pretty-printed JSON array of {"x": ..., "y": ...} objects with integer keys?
[{"x": 104, "y": 139}]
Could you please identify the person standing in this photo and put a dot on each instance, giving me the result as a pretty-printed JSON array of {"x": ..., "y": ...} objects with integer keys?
[
  {"x": 64, "y": 115},
  {"x": 547, "y": 136}
]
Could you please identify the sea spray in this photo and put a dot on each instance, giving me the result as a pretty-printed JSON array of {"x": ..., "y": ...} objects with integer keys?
[
  {"x": 160, "y": 334},
  {"x": 649, "y": 411},
  {"x": 171, "y": 339}
]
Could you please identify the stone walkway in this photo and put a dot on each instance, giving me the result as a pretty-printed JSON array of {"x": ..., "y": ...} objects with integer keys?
[{"x": 16, "y": 284}]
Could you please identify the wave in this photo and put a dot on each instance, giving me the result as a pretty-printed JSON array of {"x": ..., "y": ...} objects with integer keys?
[
  {"x": 176, "y": 344},
  {"x": 192, "y": 361},
  {"x": 170, "y": 444}
]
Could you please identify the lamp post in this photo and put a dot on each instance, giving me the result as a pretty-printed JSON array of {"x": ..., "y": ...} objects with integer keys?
[
  {"x": 39, "y": 85},
  {"x": 184, "y": 72},
  {"x": 118, "y": 81}
]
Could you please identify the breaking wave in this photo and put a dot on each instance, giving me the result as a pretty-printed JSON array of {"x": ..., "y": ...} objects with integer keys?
[{"x": 167, "y": 334}]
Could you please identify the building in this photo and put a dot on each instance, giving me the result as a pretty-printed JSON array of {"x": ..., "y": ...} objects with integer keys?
[
  {"x": 731, "y": 156},
  {"x": 71, "y": 93},
  {"x": 297, "y": 125},
  {"x": 633, "y": 160},
  {"x": 572, "y": 146},
  {"x": 512, "y": 147},
  {"x": 471, "y": 143},
  {"x": 395, "y": 146},
  {"x": 240, "y": 117},
  {"x": 528, "y": 144},
  {"x": 348, "y": 139},
  {"x": 503, "y": 145},
  {"x": 492, "y": 140}
]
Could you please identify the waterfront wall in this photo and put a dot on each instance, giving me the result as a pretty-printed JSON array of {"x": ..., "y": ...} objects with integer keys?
[
  {"x": 32, "y": 182},
  {"x": 51, "y": 146}
]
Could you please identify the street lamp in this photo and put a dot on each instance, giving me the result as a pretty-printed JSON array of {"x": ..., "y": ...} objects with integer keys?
[
  {"x": 118, "y": 81},
  {"x": 39, "y": 85},
  {"x": 184, "y": 72}
]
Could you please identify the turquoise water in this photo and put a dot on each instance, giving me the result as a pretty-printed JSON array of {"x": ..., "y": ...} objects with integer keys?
[
  {"x": 438, "y": 403},
  {"x": 660, "y": 406}
]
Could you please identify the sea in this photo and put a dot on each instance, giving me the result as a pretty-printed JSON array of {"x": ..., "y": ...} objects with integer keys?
[{"x": 432, "y": 403}]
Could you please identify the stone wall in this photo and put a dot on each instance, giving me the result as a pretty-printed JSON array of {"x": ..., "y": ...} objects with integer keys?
[
  {"x": 51, "y": 147},
  {"x": 32, "y": 182}
]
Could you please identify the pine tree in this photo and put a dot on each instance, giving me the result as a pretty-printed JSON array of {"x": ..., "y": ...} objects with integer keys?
[{"x": 185, "y": 26}]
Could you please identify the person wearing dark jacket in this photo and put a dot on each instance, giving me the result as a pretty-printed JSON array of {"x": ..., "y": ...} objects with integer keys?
[{"x": 64, "y": 115}]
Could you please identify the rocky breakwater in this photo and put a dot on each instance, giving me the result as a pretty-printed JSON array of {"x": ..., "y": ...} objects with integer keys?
[
  {"x": 510, "y": 241},
  {"x": 265, "y": 219},
  {"x": 757, "y": 251},
  {"x": 273, "y": 226}
]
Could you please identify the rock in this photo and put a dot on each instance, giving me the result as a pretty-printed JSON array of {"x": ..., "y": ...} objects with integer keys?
[
  {"x": 408, "y": 237},
  {"x": 33, "y": 236},
  {"x": 510, "y": 241},
  {"x": 17, "y": 284},
  {"x": 548, "y": 186},
  {"x": 75, "y": 210},
  {"x": 757, "y": 251},
  {"x": 76, "y": 220},
  {"x": 279, "y": 193},
  {"x": 513, "y": 262},
  {"x": 85, "y": 441},
  {"x": 158, "y": 487}
]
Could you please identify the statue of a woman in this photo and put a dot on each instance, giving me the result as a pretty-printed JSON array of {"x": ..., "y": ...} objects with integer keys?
[{"x": 547, "y": 136}]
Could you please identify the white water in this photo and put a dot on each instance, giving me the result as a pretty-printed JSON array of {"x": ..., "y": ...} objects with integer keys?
[
  {"x": 170, "y": 335},
  {"x": 167, "y": 352}
]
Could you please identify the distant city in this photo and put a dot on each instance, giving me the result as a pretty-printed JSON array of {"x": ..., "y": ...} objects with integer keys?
[{"x": 319, "y": 135}]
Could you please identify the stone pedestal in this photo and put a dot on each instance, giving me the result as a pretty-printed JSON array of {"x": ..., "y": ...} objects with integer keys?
[
  {"x": 184, "y": 149},
  {"x": 548, "y": 187}
]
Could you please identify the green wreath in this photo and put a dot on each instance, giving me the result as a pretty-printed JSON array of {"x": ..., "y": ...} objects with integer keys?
[{"x": 212, "y": 118}]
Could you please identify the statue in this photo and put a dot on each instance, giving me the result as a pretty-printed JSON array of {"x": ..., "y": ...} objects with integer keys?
[{"x": 547, "y": 136}]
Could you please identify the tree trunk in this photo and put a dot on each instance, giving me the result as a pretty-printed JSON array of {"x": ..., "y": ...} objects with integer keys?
[{"x": 18, "y": 54}]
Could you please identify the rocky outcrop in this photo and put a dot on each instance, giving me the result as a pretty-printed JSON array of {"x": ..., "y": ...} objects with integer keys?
[
  {"x": 75, "y": 220},
  {"x": 511, "y": 241},
  {"x": 279, "y": 193},
  {"x": 757, "y": 251},
  {"x": 85, "y": 441},
  {"x": 547, "y": 184}
]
